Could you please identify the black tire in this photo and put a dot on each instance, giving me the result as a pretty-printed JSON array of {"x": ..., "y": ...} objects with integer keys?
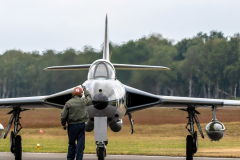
[
  {"x": 101, "y": 154},
  {"x": 18, "y": 148},
  {"x": 195, "y": 142},
  {"x": 12, "y": 142},
  {"x": 189, "y": 147}
]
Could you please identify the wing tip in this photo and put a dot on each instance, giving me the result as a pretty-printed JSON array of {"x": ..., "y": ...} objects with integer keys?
[{"x": 167, "y": 68}]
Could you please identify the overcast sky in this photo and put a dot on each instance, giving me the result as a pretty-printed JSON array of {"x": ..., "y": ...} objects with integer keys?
[{"x": 59, "y": 24}]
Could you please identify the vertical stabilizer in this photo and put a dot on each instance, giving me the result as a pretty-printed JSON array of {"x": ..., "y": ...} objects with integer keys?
[{"x": 106, "y": 43}]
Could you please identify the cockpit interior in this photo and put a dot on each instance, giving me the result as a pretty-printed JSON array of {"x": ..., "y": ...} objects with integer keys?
[{"x": 101, "y": 69}]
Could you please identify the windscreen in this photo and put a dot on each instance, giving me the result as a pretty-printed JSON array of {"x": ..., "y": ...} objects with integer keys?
[{"x": 101, "y": 69}]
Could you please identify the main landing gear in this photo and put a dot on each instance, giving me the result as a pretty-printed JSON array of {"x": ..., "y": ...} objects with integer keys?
[
  {"x": 131, "y": 121},
  {"x": 15, "y": 140},
  {"x": 191, "y": 140}
]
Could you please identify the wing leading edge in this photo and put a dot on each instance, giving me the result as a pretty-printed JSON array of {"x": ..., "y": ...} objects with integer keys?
[
  {"x": 138, "y": 67},
  {"x": 68, "y": 67},
  {"x": 171, "y": 101},
  {"x": 25, "y": 102},
  {"x": 138, "y": 100},
  {"x": 57, "y": 100}
]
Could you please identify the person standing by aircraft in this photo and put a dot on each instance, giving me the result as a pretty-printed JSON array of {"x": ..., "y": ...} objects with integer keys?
[{"x": 75, "y": 114}]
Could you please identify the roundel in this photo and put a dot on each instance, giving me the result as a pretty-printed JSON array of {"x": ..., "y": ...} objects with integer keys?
[{"x": 77, "y": 90}]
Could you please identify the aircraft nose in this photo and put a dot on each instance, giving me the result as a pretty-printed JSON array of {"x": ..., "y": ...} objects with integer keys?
[{"x": 100, "y": 101}]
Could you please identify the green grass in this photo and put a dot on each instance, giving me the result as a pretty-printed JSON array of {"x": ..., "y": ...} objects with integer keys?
[
  {"x": 167, "y": 139},
  {"x": 50, "y": 118}
]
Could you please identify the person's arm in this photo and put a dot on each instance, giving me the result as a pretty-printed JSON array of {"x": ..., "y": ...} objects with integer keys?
[
  {"x": 64, "y": 114},
  {"x": 88, "y": 98}
]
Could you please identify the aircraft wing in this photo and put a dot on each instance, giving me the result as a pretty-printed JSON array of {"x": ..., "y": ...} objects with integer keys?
[
  {"x": 138, "y": 100},
  {"x": 68, "y": 67},
  {"x": 25, "y": 102},
  {"x": 56, "y": 100},
  {"x": 138, "y": 67},
  {"x": 174, "y": 101}
]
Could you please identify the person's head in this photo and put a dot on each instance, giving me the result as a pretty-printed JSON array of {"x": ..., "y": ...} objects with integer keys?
[{"x": 77, "y": 92}]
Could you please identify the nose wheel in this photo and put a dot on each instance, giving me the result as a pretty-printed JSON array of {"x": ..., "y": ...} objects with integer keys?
[
  {"x": 101, "y": 153},
  {"x": 101, "y": 150}
]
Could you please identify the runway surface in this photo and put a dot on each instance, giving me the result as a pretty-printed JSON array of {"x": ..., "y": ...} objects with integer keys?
[{"x": 62, "y": 156}]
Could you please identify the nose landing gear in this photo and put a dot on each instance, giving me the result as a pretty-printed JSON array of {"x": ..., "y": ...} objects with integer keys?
[
  {"x": 100, "y": 136},
  {"x": 15, "y": 140},
  {"x": 101, "y": 150},
  {"x": 191, "y": 140}
]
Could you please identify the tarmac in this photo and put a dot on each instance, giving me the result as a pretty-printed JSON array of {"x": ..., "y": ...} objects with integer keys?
[{"x": 63, "y": 156}]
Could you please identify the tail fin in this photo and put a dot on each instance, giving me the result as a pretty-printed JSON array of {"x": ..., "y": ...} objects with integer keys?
[{"x": 106, "y": 43}]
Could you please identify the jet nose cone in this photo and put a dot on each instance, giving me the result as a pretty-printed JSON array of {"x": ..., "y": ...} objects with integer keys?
[{"x": 100, "y": 101}]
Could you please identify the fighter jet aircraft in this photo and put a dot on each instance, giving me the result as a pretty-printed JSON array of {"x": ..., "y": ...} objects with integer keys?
[{"x": 113, "y": 100}]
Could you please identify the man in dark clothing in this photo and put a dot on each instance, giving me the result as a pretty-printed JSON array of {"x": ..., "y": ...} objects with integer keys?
[{"x": 75, "y": 113}]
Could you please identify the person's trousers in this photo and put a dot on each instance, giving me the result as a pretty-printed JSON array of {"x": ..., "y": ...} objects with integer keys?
[{"x": 76, "y": 132}]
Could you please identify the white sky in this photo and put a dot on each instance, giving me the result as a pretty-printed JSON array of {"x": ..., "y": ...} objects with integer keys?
[{"x": 59, "y": 24}]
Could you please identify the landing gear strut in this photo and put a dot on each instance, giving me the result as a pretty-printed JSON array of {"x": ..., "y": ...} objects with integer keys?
[
  {"x": 100, "y": 136},
  {"x": 131, "y": 121},
  {"x": 191, "y": 140},
  {"x": 15, "y": 140}
]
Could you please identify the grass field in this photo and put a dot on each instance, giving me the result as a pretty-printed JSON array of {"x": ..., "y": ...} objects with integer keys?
[
  {"x": 157, "y": 132},
  {"x": 48, "y": 118}
]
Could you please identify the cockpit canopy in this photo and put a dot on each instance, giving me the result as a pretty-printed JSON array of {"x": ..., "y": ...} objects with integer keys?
[{"x": 101, "y": 69}]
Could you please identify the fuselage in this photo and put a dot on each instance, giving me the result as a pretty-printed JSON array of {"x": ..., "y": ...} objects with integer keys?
[{"x": 108, "y": 94}]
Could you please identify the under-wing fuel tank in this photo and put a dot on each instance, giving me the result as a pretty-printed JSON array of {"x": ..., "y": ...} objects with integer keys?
[{"x": 215, "y": 130}]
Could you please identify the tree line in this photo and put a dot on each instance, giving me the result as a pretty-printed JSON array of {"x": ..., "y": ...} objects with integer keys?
[{"x": 206, "y": 65}]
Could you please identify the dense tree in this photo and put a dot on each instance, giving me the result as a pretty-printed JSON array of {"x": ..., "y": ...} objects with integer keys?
[{"x": 206, "y": 65}]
